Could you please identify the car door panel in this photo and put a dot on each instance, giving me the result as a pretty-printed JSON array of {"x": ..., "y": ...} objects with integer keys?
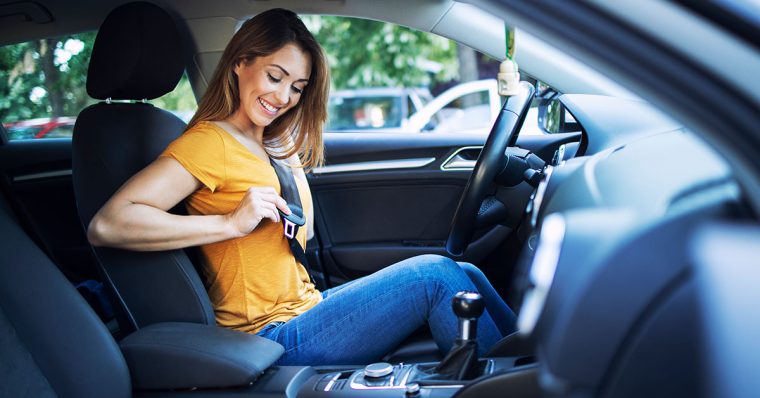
[
  {"x": 352, "y": 210},
  {"x": 37, "y": 181},
  {"x": 369, "y": 216}
]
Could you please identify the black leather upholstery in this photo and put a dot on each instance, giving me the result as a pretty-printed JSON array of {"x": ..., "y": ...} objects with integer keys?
[
  {"x": 113, "y": 141},
  {"x": 184, "y": 355},
  {"x": 513, "y": 345},
  {"x": 51, "y": 342},
  {"x": 3, "y": 135},
  {"x": 137, "y": 54}
]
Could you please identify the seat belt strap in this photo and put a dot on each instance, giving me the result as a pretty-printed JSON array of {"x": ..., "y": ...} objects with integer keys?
[{"x": 295, "y": 220}]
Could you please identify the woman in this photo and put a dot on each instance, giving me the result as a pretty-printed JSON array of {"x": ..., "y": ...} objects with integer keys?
[{"x": 267, "y": 99}]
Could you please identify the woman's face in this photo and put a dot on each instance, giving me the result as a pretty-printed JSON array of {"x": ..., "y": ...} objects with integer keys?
[{"x": 269, "y": 86}]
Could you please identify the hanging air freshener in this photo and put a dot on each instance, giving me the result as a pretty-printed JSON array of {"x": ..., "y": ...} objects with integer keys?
[{"x": 509, "y": 74}]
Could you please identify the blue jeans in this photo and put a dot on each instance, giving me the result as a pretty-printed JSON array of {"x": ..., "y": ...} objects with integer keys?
[{"x": 361, "y": 321}]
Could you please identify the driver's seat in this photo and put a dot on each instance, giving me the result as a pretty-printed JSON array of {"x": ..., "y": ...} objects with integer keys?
[{"x": 137, "y": 55}]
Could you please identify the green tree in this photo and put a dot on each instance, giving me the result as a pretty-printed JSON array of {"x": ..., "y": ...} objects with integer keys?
[
  {"x": 364, "y": 53},
  {"x": 17, "y": 78},
  {"x": 45, "y": 78},
  {"x": 181, "y": 100}
]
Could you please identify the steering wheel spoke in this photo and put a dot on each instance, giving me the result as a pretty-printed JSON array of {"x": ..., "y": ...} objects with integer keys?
[
  {"x": 491, "y": 212},
  {"x": 489, "y": 165}
]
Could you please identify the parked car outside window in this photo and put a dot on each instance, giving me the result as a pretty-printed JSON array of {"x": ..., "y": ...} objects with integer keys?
[
  {"x": 53, "y": 127},
  {"x": 375, "y": 108},
  {"x": 467, "y": 108}
]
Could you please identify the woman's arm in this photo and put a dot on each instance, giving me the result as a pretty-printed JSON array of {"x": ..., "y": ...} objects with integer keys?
[{"x": 137, "y": 217}]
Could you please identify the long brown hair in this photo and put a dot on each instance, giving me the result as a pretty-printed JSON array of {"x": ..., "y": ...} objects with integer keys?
[{"x": 299, "y": 130}]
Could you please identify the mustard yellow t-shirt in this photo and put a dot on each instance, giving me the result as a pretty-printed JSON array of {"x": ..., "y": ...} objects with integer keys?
[{"x": 253, "y": 280}]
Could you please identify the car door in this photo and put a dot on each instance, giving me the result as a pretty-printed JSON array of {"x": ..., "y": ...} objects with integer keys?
[{"x": 385, "y": 197}]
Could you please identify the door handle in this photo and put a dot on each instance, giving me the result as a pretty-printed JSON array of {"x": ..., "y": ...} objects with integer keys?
[{"x": 462, "y": 159}]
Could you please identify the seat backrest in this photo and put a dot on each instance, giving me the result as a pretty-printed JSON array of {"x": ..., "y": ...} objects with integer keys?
[
  {"x": 51, "y": 342},
  {"x": 137, "y": 55}
]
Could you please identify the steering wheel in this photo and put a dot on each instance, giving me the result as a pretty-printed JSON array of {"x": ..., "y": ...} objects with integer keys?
[{"x": 490, "y": 163}]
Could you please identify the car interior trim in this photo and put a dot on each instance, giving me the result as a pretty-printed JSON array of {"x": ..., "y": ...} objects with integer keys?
[
  {"x": 330, "y": 384},
  {"x": 356, "y": 385},
  {"x": 589, "y": 172},
  {"x": 542, "y": 272},
  {"x": 457, "y": 162},
  {"x": 378, "y": 165},
  {"x": 539, "y": 195},
  {"x": 42, "y": 176}
]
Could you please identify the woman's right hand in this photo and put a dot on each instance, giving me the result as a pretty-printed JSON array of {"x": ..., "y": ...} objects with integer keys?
[
  {"x": 257, "y": 204},
  {"x": 137, "y": 216}
]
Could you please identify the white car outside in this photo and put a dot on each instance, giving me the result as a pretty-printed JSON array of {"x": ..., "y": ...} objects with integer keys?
[{"x": 467, "y": 108}]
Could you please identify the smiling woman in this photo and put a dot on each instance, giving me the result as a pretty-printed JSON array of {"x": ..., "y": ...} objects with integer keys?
[
  {"x": 294, "y": 132},
  {"x": 266, "y": 103},
  {"x": 269, "y": 86}
]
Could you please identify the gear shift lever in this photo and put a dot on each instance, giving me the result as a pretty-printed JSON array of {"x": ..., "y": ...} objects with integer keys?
[
  {"x": 468, "y": 307},
  {"x": 461, "y": 363}
]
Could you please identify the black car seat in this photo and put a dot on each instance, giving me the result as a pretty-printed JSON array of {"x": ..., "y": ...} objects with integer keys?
[
  {"x": 137, "y": 55},
  {"x": 51, "y": 342}
]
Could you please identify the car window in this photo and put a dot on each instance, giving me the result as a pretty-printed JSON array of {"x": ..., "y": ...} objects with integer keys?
[
  {"x": 358, "y": 112},
  {"x": 469, "y": 109},
  {"x": 43, "y": 87},
  {"x": 387, "y": 77}
]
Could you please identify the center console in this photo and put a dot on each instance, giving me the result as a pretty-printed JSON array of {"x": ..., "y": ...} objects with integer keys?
[
  {"x": 183, "y": 360},
  {"x": 461, "y": 367},
  {"x": 401, "y": 380}
]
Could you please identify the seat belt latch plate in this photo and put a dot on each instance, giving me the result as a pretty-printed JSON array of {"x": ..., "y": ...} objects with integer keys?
[{"x": 290, "y": 229}]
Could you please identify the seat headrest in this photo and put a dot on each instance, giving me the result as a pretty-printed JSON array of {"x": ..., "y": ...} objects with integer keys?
[{"x": 137, "y": 54}]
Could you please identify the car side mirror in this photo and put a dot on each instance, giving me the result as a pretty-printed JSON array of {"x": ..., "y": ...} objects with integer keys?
[{"x": 553, "y": 117}]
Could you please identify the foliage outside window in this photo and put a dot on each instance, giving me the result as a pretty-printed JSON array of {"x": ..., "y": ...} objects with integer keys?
[
  {"x": 382, "y": 74},
  {"x": 43, "y": 87},
  {"x": 365, "y": 53}
]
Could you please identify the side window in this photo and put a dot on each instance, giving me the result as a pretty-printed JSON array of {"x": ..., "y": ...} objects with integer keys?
[
  {"x": 391, "y": 78},
  {"x": 180, "y": 101},
  {"x": 43, "y": 87},
  {"x": 351, "y": 110},
  {"x": 471, "y": 106}
]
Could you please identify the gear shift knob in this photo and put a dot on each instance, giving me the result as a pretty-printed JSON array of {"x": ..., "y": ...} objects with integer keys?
[
  {"x": 461, "y": 363},
  {"x": 468, "y": 307}
]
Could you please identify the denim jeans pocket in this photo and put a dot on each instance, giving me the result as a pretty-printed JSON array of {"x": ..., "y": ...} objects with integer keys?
[{"x": 268, "y": 328}]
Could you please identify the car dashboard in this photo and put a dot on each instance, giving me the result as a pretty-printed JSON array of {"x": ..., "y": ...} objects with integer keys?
[{"x": 607, "y": 278}]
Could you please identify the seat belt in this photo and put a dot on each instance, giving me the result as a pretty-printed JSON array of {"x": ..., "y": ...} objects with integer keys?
[{"x": 289, "y": 192}]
